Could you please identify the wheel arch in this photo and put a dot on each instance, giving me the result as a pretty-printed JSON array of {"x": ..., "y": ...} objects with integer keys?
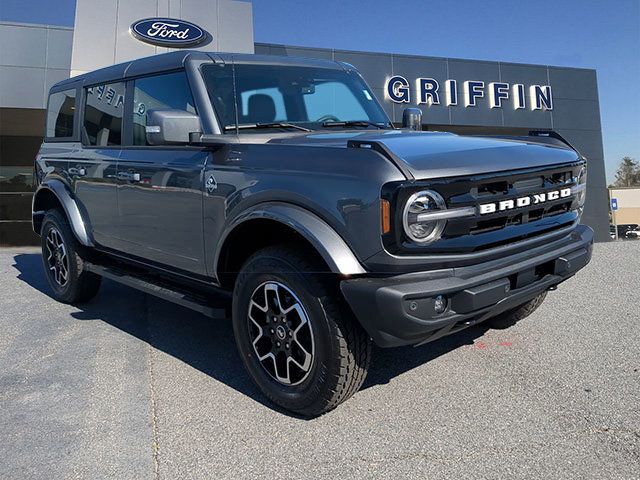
[
  {"x": 273, "y": 223},
  {"x": 54, "y": 194}
]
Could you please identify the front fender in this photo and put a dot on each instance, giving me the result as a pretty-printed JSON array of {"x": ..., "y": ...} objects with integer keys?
[
  {"x": 59, "y": 190},
  {"x": 333, "y": 249}
]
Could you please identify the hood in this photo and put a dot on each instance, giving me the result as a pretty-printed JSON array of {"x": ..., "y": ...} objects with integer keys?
[{"x": 426, "y": 155}]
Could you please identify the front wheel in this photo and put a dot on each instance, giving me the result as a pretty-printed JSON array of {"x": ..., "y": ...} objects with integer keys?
[{"x": 298, "y": 340}]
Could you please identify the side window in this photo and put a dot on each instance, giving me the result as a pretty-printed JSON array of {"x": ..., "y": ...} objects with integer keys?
[
  {"x": 103, "y": 112},
  {"x": 335, "y": 99},
  {"x": 60, "y": 114},
  {"x": 262, "y": 106},
  {"x": 168, "y": 91}
]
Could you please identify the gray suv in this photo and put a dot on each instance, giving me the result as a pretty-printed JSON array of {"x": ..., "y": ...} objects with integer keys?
[{"x": 277, "y": 189}]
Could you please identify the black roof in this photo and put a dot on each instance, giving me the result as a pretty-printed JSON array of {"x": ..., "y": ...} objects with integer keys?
[{"x": 177, "y": 59}]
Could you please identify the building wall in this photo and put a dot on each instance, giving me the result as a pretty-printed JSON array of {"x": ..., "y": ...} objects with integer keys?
[
  {"x": 628, "y": 205},
  {"x": 102, "y": 35},
  {"x": 32, "y": 59},
  {"x": 575, "y": 114}
]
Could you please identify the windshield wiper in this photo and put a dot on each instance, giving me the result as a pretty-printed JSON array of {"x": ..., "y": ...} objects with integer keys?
[
  {"x": 248, "y": 126},
  {"x": 353, "y": 123}
]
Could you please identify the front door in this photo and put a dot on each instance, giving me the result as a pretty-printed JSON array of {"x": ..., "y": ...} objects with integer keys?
[
  {"x": 160, "y": 206},
  {"x": 160, "y": 188}
]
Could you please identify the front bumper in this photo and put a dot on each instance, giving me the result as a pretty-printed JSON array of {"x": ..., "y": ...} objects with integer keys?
[{"x": 399, "y": 310}]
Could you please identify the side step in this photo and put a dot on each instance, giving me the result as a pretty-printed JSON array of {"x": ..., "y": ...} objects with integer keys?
[{"x": 165, "y": 292}]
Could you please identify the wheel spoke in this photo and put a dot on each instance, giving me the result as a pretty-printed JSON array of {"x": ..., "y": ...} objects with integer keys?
[
  {"x": 286, "y": 379},
  {"x": 307, "y": 356},
  {"x": 307, "y": 362},
  {"x": 273, "y": 287}
]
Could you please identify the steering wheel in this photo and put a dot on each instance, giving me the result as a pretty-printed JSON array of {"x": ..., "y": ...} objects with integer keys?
[{"x": 328, "y": 118}]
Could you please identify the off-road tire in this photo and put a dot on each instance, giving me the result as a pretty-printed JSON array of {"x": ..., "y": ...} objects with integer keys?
[
  {"x": 511, "y": 317},
  {"x": 342, "y": 348},
  {"x": 81, "y": 285}
]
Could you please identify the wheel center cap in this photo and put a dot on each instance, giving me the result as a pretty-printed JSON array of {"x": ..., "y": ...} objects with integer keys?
[{"x": 281, "y": 332}]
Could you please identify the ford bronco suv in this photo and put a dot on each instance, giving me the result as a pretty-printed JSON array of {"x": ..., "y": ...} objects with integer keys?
[{"x": 279, "y": 187}]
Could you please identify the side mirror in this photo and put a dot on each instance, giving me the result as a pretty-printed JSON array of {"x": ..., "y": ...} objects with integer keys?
[
  {"x": 171, "y": 127},
  {"x": 412, "y": 119}
]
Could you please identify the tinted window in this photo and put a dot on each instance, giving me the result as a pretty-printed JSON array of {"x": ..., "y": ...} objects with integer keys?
[
  {"x": 60, "y": 114},
  {"x": 249, "y": 99},
  {"x": 103, "y": 111},
  {"x": 169, "y": 91},
  {"x": 307, "y": 96},
  {"x": 333, "y": 99}
]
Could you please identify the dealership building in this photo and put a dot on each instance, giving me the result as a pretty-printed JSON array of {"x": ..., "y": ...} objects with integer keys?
[{"x": 462, "y": 96}]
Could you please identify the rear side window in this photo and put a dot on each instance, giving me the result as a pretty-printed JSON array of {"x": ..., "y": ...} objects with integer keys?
[
  {"x": 103, "y": 112},
  {"x": 161, "y": 92},
  {"x": 61, "y": 114}
]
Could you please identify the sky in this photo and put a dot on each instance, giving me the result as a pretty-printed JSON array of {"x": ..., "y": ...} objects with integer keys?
[{"x": 604, "y": 35}]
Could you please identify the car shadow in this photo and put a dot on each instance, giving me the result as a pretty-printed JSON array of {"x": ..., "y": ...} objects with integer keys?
[{"x": 207, "y": 345}]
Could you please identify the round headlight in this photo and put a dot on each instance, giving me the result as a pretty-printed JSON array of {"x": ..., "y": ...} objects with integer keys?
[{"x": 419, "y": 225}]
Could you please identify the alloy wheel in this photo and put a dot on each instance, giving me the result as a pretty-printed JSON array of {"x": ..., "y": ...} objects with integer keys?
[
  {"x": 57, "y": 258},
  {"x": 281, "y": 333}
]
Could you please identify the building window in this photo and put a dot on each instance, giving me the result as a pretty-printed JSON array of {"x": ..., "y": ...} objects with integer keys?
[
  {"x": 61, "y": 113},
  {"x": 103, "y": 112},
  {"x": 162, "y": 92}
]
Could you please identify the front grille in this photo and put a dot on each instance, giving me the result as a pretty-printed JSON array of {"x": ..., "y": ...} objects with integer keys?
[
  {"x": 480, "y": 232},
  {"x": 516, "y": 185}
]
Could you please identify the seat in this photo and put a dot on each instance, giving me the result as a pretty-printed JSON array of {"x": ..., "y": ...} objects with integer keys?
[{"x": 261, "y": 109}]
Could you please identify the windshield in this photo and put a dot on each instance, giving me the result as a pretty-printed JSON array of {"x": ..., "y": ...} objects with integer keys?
[{"x": 282, "y": 97}]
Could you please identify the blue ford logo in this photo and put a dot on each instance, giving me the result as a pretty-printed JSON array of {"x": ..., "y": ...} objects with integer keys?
[{"x": 168, "y": 32}]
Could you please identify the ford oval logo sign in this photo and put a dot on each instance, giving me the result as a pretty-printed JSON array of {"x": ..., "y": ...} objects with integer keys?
[{"x": 168, "y": 32}]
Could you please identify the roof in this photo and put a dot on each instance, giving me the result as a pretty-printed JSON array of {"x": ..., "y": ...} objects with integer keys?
[{"x": 177, "y": 59}]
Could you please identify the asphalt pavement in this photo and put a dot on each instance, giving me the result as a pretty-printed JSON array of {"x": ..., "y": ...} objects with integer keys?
[{"x": 131, "y": 387}]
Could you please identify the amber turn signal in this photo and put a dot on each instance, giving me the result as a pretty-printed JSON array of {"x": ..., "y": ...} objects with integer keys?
[{"x": 385, "y": 215}]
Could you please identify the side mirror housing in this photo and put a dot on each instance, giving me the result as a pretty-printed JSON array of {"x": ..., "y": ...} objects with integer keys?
[
  {"x": 170, "y": 127},
  {"x": 412, "y": 119}
]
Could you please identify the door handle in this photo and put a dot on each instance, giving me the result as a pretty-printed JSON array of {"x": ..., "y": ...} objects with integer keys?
[
  {"x": 77, "y": 171},
  {"x": 129, "y": 176}
]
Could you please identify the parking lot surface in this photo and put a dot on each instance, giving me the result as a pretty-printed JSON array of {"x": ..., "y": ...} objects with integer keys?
[{"x": 130, "y": 386}]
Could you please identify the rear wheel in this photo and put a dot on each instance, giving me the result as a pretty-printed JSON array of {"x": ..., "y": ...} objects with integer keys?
[
  {"x": 63, "y": 265},
  {"x": 298, "y": 340},
  {"x": 511, "y": 317}
]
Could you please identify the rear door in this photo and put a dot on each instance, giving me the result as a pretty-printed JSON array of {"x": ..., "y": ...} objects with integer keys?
[
  {"x": 160, "y": 187},
  {"x": 94, "y": 169}
]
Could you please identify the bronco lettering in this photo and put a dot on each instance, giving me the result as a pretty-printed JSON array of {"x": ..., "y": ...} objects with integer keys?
[{"x": 525, "y": 201}]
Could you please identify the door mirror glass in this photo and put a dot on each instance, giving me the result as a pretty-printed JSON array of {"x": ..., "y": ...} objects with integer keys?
[{"x": 171, "y": 127}]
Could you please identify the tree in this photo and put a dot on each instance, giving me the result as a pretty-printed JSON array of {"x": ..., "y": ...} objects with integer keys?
[{"x": 628, "y": 174}]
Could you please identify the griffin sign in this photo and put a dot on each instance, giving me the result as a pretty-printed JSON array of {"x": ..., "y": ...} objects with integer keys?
[{"x": 428, "y": 91}]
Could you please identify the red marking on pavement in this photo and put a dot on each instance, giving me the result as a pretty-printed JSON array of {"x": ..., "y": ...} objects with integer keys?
[
  {"x": 506, "y": 344},
  {"x": 481, "y": 345}
]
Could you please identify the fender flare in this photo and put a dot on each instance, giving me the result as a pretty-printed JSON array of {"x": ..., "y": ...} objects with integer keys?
[
  {"x": 333, "y": 249},
  {"x": 71, "y": 209}
]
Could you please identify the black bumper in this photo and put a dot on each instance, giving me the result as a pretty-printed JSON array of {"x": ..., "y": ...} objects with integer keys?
[{"x": 399, "y": 310}]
